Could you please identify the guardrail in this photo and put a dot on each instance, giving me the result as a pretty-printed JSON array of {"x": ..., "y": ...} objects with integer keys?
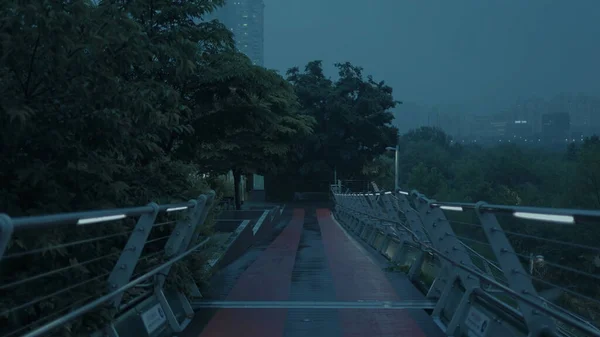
[
  {"x": 117, "y": 272},
  {"x": 480, "y": 292},
  {"x": 97, "y": 265}
]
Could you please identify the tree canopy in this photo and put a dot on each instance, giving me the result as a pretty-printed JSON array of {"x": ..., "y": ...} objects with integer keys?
[
  {"x": 119, "y": 103},
  {"x": 353, "y": 120}
]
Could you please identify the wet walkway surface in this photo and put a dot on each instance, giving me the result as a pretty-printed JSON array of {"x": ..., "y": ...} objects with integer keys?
[{"x": 310, "y": 257}]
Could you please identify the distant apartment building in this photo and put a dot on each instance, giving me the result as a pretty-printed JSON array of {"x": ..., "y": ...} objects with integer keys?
[
  {"x": 488, "y": 127},
  {"x": 245, "y": 19},
  {"x": 520, "y": 129},
  {"x": 556, "y": 126}
]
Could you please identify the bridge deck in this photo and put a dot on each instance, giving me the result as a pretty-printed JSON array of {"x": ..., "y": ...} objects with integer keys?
[{"x": 311, "y": 258}]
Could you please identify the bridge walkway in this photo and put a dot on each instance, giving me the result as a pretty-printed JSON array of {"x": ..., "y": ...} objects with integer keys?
[{"x": 310, "y": 257}]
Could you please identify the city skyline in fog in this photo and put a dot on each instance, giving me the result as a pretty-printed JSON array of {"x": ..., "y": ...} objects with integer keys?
[{"x": 478, "y": 55}]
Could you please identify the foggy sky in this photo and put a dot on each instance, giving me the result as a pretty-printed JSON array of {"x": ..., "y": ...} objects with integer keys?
[{"x": 483, "y": 54}]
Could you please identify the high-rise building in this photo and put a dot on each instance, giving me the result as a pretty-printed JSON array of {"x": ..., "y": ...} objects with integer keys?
[
  {"x": 488, "y": 127},
  {"x": 245, "y": 19},
  {"x": 556, "y": 126}
]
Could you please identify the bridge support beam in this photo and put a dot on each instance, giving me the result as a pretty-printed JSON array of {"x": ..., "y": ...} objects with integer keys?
[
  {"x": 443, "y": 239},
  {"x": 123, "y": 269},
  {"x": 514, "y": 272}
]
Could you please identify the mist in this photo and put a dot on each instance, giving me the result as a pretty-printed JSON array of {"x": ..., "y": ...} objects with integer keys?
[{"x": 479, "y": 56}]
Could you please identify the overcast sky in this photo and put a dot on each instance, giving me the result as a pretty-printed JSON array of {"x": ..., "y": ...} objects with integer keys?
[{"x": 483, "y": 53}]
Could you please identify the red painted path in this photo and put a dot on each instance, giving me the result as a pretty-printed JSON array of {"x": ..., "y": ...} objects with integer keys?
[
  {"x": 355, "y": 277},
  {"x": 267, "y": 279}
]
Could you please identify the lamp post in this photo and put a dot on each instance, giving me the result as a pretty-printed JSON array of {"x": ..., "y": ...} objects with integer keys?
[{"x": 397, "y": 166}]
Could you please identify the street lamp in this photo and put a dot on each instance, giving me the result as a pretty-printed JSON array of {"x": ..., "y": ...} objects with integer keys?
[{"x": 397, "y": 166}]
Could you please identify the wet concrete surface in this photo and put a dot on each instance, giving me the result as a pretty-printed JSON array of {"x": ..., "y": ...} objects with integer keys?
[
  {"x": 312, "y": 281},
  {"x": 402, "y": 286}
]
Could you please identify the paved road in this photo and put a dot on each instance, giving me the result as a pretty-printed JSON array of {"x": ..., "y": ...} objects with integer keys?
[{"x": 311, "y": 258}]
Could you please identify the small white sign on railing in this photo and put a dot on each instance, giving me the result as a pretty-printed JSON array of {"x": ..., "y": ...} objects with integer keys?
[
  {"x": 477, "y": 322},
  {"x": 153, "y": 318}
]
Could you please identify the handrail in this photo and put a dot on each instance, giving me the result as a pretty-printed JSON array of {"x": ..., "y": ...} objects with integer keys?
[
  {"x": 566, "y": 216},
  {"x": 96, "y": 262},
  {"x": 108, "y": 297}
]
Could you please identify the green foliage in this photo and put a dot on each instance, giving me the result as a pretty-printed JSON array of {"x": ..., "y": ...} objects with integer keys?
[
  {"x": 98, "y": 101},
  {"x": 381, "y": 170},
  {"x": 118, "y": 103},
  {"x": 248, "y": 119},
  {"x": 256, "y": 110},
  {"x": 353, "y": 121},
  {"x": 428, "y": 179}
]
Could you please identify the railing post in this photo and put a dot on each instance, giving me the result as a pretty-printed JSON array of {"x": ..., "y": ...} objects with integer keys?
[
  {"x": 514, "y": 272},
  {"x": 351, "y": 203},
  {"x": 208, "y": 204},
  {"x": 123, "y": 269},
  {"x": 361, "y": 204},
  {"x": 184, "y": 232},
  {"x": 412, "y": 217},
  {"x": 443, "y": 239},
  {"x": 375, "y": 211},
  {"x": 416, "y": 225},
  {"x": 6, "y": 231},
  {"x": 392, "y": 213}
]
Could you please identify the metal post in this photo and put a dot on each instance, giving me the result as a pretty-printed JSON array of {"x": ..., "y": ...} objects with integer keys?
[
  {"x": 6, "y": 231},
  {"x": 210, "y": 198},
  {"x": 443, "y": 239},
  {"x": 396, "y": 164},
  {"x": 182, "y": 233},
  {"x": 397, "y": 169},
  {"x": 335, "y": 174},
  {"x": 514, "y": 272},
  {"x": 130, "y": 255}
]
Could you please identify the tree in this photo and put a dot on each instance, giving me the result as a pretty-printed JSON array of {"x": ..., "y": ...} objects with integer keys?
[
  {"x": 588, "y": 174},
  {"x": 92, "y": 105},
  {"x": 353, "y": 120},
  {"x": 64, "y": 116},
  {"x": 93, "y": 99},
  {"x": 429, "y": 134},
  {"x": 381, "y": 170},
  {"x": 251, "y": 123}
]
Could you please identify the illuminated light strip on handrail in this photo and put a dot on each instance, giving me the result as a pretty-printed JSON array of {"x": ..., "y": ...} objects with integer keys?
[
  {"x": 388, "y": 192},
  {"x": 44, "y": 329},
  {"x": 568, "y": 219},
  {"x": 402, "y": 192},
  {"x": 576, "y": 322},
  {"x": 452, "y": 208},
  {"x": 174, "y": 209},
  {"x": 87, "y": 221}
]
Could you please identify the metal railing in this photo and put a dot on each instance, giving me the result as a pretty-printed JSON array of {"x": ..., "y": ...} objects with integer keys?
[
  {"x": 480, "y": 269},
  {"x": 96, "y": 264}
]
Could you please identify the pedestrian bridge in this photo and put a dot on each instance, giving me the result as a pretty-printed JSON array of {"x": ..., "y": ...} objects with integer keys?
[{"x": 376, "y": 263}]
